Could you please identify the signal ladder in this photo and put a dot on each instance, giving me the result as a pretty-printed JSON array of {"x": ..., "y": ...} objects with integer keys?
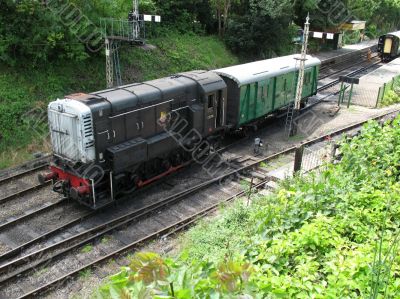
[
  {"x": 113, "y": 63},
  {"x": 289, "y": 120}
]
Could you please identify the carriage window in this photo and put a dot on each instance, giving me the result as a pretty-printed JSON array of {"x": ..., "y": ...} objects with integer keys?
[
  {"x": 260, "y": 92},
  {"x": 210, "y": 101},
  {"x": 307, "y": 78}
]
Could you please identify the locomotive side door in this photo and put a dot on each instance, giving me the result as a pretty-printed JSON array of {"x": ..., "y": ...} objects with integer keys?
[
  {"x": 211, "y": 111},
  {"x": 215, "y": 110},
  {"x": 219, "y": 120},
  {"x": 118, "y": 129},
  {"x": 147, "y": 122},
  {"x": 133, "y": 125}
]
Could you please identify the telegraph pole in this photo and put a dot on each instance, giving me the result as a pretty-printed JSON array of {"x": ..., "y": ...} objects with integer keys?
[
  {"x": 136, "y": 29},
  {"x": 300, "y": 82}
]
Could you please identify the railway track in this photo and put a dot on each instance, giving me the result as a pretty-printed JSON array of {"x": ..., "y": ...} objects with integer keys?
[
  {"x": 351, "y": 74},
  {"x": 24, "y": 169},
  {"x": 346, "y": 65},
  {"x": 23, "y": 192},
  {"x": 164, "y": 217},
  {"x": 29, "y": 214}
]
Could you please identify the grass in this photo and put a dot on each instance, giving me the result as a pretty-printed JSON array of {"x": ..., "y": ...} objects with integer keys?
[
  {"x": 87, "y": 248},
  {"x": 217, "y": 238},
  {"x": 84, "y": 274},
  {"x": 298, "y": 137},
  {"x": 41, "y": 271},
  {"x": 25, "y": 91},
  {"x": 105, "y": 239}
]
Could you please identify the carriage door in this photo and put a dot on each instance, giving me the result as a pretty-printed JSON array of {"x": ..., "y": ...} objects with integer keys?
[{"x": 219, "y": 120}]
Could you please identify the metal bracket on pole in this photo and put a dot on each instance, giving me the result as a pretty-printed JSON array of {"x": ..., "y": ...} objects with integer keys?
[{"x": 109, "y": 64}]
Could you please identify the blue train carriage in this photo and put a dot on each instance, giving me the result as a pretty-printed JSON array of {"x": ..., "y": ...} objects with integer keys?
[{"x": 260, "y": 88}]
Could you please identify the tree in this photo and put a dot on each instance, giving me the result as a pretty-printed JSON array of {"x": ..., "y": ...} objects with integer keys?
[
  {"x": 29, "y": 31},
  {"x": 222, "y": 8},
  {"x": 263, "y": 28}
]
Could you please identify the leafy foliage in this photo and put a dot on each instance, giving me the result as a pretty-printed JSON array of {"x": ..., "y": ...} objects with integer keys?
[
  {"x": 331, "y": 235},
  {"x": 40, "y": 37},
  {"x": 391, "y": 93},
  {"x": 26, "y": 90}
]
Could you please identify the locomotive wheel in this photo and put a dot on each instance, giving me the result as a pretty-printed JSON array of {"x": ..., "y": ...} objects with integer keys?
[
  {"x": 130, "y": 184},
  {"x": 166, "y": 164},
  {"x": 177, "y": 160}
]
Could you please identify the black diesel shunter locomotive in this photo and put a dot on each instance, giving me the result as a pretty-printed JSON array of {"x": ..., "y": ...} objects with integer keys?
[{"x": 109, "y": 143}]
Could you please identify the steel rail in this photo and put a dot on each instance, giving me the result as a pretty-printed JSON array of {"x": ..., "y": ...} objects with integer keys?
[
  {"x": 97, "y": 232},
  {"x": 343, "y": 69},
  {"x": 189, "y": 219},
  {"x": 31, "y": 214},
  {"x": 17, "y": 250},
  {"x": 175, "y": 227},
  {"x": 23, "y": 192},
  {"x": 333, "y": 83},
  {"x": 23, "y": 173}
]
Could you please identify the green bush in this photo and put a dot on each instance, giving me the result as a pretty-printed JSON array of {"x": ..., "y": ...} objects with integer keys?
[
  {"x": 328, "y": 235},
  {"x": 391, "y": 93}
]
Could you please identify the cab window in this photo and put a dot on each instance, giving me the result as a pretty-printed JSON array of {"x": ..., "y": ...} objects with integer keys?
[{"x": 211, "y": 101}]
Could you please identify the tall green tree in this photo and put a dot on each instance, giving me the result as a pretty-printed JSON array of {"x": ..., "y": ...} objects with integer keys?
[
  {"x": 30, "y": 32},
  {"x": 262, "y": 30},
  {"x": 222, "y": 9}
]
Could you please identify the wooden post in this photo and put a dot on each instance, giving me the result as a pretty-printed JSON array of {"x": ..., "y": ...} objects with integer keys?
[
  {"x": 250, "y": 190},
  {"x": 384, "y": 90},
  {"x": 334, "y": 147},
  {"x": 378, "y": 97},
  {"x": 340, "y": 93},
  {"x": 298, "y": 158}
]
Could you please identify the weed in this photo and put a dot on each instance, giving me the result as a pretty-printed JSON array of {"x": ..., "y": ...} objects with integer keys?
[
  {"x": 105, "y": 239},
  {"x": 41, "y": 271},
  {"x": 87, "y": 248},
  {"x": 84, "y": 274},
  {"x": 263, "y": 165}
]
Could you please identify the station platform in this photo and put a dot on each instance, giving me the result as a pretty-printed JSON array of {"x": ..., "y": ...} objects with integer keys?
[
  {"x": 370, "y": 88},
  {"x": 347, "y": 52}
]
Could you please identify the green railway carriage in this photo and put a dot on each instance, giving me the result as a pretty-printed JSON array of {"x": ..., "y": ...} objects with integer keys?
[{"x": 259, "y": 88}]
